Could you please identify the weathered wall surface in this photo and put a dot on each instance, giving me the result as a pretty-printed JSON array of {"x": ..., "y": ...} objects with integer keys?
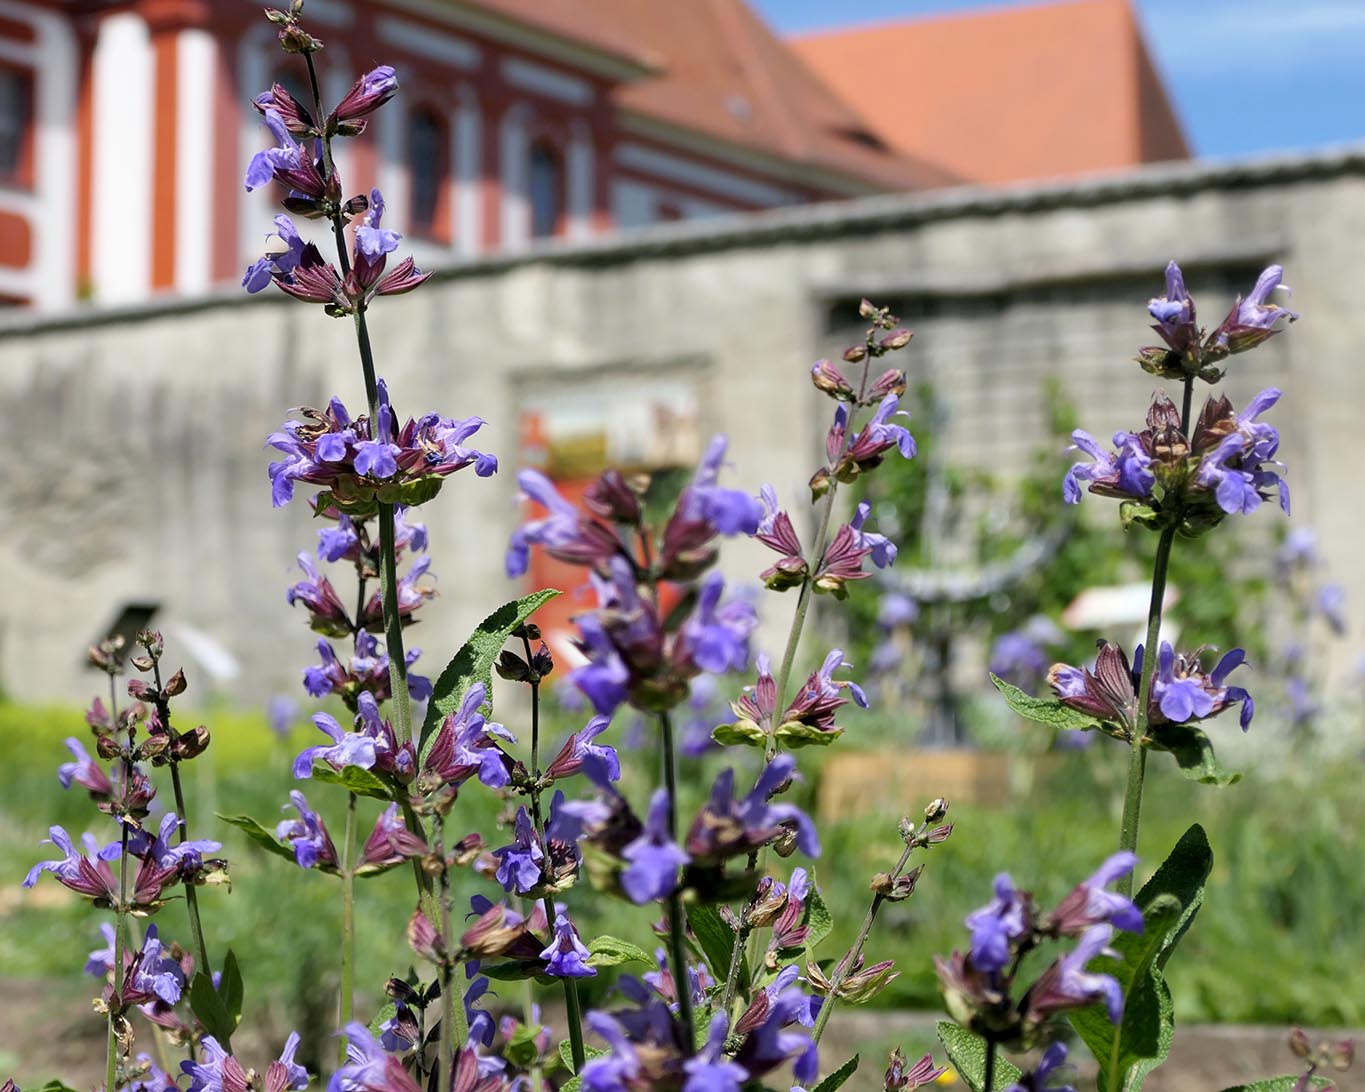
[{"x": 134, "y": 468}]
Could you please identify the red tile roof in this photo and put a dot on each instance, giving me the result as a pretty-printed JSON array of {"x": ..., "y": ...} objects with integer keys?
[
  {"x": 726, "y": 74},
  {"x": 996, "y": 96}
]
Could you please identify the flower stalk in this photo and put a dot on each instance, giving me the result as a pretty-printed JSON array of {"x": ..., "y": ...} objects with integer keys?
[
  {"x": 348, "y": 866},
  {"x": 849, "y": 961},
  {"x": 572, "y": 1005},
  {"x": 677, "y": 946},
  {"x": 1137, "y": 755}
]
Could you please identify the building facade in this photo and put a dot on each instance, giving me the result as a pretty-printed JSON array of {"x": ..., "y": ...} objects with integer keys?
[
  {"x": 125, "y": 128},
  {"x": 135, "y": 474}
]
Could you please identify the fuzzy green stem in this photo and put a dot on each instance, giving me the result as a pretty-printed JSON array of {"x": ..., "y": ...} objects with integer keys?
[
  {"x": 736, "y": 958},
  {"x": 348, "y": 865},
  {"x": 803, "y": 606},
  {"x": 454, "y": 1030},
  {"x": 163, "y": 708},
  {"x": 393, "y": 625},
  {"x": 111, "y": 1044},
  {"x": 677, "y": 947},
  {"x": 1137, "y": 756},
  {"x": 571, "y": 1000}
]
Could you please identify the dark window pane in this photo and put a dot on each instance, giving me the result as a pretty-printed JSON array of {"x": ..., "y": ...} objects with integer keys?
[
  {"x": 14, "y": 121},
  {"x": 546, "y": 185},
  {"x": 426, "y": 167}
]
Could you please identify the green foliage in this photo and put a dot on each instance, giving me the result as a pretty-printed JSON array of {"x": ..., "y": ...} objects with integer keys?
[
  {"x": 967, "y": 1051},
  {"x": 609, "y": 951},
  {"x": 1142, "y": 1039},
  {"x": 716, "y": 938},
  {"x": 359, "y": 781},
  {"x": 837, "y": 1079},
  {"x": 1193, "y": 753},
  {"x": 474, "y": 662},
  {"x": 1051, "y": 712},
  {"x": 259, "y": 835}
]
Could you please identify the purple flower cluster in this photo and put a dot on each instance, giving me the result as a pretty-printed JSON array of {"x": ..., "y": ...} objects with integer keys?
[
  {"x": 977, "y": 985},
  {"x": 360, "y": 462},
  {"x": 809, "y": 717},
  {"x": 631, "y": 657},
  {"x": 1225, "y": 466},
  {"x": 645, "y": 1051},
  {"x": 1251, "y": 321},
  {"x": 1182, "y": 692},
  {"x": 703, "y": 511}
]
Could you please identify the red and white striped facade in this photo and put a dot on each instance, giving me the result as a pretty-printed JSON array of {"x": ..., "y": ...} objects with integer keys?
[{"x": 130, "y": 128}]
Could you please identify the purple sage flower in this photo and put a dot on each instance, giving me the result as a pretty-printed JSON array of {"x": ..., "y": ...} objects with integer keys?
[
  {"x": 654, "y": 858},
  {"x": 1068, "y": 985},
  {"x": 566, "y": 954},
  {"x": 312, "y": 844},
  {"x": 84, "y": 771},
  {"x": 520, "y": 870},
  {"x": 1053, "y": 1059},
  {"x": 997, "y": 925},
  {"x": 1090, "y": 904}
]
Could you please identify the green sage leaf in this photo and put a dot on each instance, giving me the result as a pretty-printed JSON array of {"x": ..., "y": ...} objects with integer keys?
[{"x": 474, "y": 662}]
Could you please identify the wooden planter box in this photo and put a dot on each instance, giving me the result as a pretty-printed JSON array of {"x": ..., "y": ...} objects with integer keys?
[{"x": 900, "y": 782}]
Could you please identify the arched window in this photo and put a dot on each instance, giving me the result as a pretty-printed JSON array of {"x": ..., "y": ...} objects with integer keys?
[
  {"x": 16, "y": 127},
  {"x": 545, "y": 188},
  {"x": 428, "y": 173}
]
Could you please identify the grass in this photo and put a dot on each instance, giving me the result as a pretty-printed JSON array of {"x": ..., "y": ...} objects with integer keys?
[{"x": 1283, "y": 923}]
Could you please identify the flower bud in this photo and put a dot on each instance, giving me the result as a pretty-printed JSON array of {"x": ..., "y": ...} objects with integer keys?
[
  {"x": 766, "y": 904},
  {"x": 936, "y": 810},
  {"x": 424, "y": 939},
  {"x": 1299, "y": 1043},
  {"x": 140, "y": 689},
  {"x": 897, "y": 888},
  {"x": 108, "y": 747},
  {"x": 153, "y": 642},
  {"x": 891, "y": 381},
  {"x": 855, "y": 354},
  {"x": 294, "y": 39},
  {"x": 867, "y": 309},
  {"x": 896, "y": 339},
  {"x": 401, "y": 992},
  {"x": 175, "y": 685},
  {"x": 153, "y": 749},
  {"x": 612, "y": 498},
  {"x": 1341, "y": 1054},
  {"x": 190, "y": 744},
  {"x": 142, "y": 663},
  {"x": 542, "y": 663},
  {"x": 828, "y": 378},
  {"x": 512, "y": 667},
  {"x": 785, "y": 843},
  {"x": 464, "y": 851},
  {"x": 356, "y": 206}
]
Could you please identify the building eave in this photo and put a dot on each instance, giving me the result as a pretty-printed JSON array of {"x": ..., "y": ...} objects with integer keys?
[
  {"x": 618, "y": 67},
  {"x": 774, "y": 167}
]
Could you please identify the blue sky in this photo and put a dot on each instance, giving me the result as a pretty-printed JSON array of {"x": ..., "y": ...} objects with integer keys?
[{"x": 1247, "y": 76}]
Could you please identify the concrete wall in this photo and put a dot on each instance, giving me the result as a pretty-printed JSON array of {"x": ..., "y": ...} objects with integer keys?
[{"x": 134, "y": 467}]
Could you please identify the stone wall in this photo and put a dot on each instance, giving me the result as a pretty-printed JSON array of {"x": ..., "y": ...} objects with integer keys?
[{"x": 134, "y": 466}]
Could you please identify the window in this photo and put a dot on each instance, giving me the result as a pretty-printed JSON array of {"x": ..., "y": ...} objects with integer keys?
[
  {"x": 16, "y": 105},
  {"x": 545, "y": 183},
  {"x": 428, "y": 172}
]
